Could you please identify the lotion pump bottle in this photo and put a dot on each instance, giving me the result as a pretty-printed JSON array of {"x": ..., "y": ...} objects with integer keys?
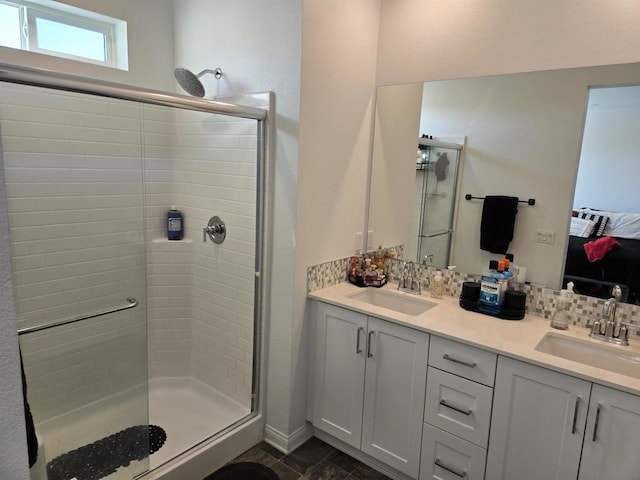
[
  {"x": 560, "y": 318},
  {"x": 437, "y": 285}
]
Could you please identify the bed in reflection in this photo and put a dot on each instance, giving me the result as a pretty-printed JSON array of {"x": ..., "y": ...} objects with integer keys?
[{"x": 604, "y": 250}]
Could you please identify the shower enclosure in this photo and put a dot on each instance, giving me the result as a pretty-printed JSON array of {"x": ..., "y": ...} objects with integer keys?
[
  {"x": 136, "y": 348},
  {"x": 436, "y": 181}
]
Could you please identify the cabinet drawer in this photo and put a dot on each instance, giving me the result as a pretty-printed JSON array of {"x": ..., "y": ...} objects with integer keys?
[
  {"x": 458, "y": 406},
  {"x": 464, "y": 360},
  {"x": 447, "y": 456}
]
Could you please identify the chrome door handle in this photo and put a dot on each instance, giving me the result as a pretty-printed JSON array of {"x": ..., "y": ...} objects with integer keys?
[
  {"x": 446, "y": 356},
  {"x": 465, "y": 411},
  {"x": 575, "y": 415},
  {"x": 369, "y": 354},
  {"x": 457, "y": 473},
  {"x": 595, "y": 426},
  {"x": 358, "y": 349}
]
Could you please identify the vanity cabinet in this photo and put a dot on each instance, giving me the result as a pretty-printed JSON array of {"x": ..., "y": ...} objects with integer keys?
[
  {"x": 369, "y": 385},
  {"x": 457, "y": 411},
  {"x": 612, "y": 436},
  {"x": 538, "y": 423},
  {"x": 433, "y": 408},
  {"x": 554, "y": 426}
]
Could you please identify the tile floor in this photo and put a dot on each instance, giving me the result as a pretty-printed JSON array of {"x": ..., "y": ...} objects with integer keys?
[{"x": 315, "y": 460}]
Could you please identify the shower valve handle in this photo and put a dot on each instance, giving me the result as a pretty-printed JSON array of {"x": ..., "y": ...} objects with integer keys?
[{"x": 215, "y": 229}]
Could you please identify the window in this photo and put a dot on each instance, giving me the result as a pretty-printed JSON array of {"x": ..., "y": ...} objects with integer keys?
[{"x": 53, "y": 28}]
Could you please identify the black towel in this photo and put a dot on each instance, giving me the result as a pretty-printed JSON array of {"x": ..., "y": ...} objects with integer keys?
[
  {"x": 32, "y": 440},
  {"x": 441, "y": 167},
  {"x": 498, "y": 219}
]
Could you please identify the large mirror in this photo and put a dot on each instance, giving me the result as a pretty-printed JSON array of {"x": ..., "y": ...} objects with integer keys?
[{"x": 522, "y": 136}]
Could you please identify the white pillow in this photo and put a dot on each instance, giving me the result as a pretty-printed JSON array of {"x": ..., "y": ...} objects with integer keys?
[
  {"x": 581, "y": 227},
  {"x": 620, "y": 224}
]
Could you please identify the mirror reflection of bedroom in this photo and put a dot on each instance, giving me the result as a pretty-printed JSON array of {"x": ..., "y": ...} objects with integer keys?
[{"x": 604, "y": 242}]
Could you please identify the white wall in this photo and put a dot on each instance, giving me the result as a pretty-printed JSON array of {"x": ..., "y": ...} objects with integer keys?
[
  {"x": 392, "y": 215},
  {"x": 150, "y": 38},
  {"x": 423, "y": 40},
  {"x": 609, "y": 167}
]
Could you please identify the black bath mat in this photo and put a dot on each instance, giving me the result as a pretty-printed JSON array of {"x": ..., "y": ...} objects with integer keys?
[
  {"x": 105, "y": 456},
  {"x": 244, "y": 471}
]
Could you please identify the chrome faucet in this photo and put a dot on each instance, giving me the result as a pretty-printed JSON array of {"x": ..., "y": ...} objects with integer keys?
[
  {"x": 409, "y": 281},
  {"x": 612, "y": 331}
]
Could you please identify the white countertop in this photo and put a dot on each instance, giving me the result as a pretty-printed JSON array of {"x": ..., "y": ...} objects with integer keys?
[{"x": 513, "y": 338}]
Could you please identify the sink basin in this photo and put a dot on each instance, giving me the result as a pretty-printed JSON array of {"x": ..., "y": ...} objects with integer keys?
[
  {"x": 608, "y": 357},
  {"x": 393, "y": 301}
]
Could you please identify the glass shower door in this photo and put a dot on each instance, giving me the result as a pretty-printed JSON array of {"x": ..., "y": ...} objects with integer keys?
[
  {"x": 436, "y": 181},
  {"x": 73, "y": 171}
]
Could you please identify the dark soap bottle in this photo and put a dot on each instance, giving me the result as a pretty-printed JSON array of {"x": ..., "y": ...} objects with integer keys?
[{"x": 175, "y": 224}]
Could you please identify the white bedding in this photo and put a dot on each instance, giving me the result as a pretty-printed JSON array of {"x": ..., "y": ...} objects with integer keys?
[{"x": 620, "y": 224}]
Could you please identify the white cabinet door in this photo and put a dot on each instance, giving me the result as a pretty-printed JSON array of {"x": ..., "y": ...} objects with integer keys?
[
  {"x": 339, "y": 372},
  {"x": 394, "y": 394},
  {"x": 537, "y": 423},
  {"x": 612, "y": 436}
]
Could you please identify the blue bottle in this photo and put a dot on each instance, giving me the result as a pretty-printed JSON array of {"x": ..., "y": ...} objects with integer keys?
[
  {"x": 175, "y": 225},
  {"x": 491, "y": 294}
]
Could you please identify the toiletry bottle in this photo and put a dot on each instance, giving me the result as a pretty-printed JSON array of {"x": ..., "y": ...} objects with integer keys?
[
  {"x": 508, "y": 274},
  {"x": 489, "y": 301},
  {"x": 560, "y": 317},
  {"x": 175, "y": 226},
  {"x": 378, "y": 259},
  {"x": 513, "y": 268},
  {"x": 437, "y": 285},
  {"x": 503, "y": 276}
]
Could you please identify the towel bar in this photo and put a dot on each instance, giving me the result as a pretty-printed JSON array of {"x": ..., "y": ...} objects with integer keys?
[
  {"x": 44, "y": 326},
  {"x": 531, "y": 201}
]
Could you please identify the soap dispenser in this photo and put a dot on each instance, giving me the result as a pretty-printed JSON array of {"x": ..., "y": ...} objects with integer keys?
[
  {"x": 175, "y": 224},
  {"x": 437, "y": 285},
  {"x": 560, "y": 318}
]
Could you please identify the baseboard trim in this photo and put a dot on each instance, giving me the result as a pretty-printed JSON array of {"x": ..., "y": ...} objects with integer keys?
[{"x": 287, "y": 443}]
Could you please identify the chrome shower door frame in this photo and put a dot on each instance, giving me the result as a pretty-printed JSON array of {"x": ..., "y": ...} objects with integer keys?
[{"x": 73, "y": 83}]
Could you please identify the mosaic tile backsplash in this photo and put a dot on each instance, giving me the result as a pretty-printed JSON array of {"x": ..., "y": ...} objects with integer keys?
[{"x": 541, "y": 301}]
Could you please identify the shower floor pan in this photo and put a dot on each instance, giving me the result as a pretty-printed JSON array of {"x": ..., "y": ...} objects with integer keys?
[{"x": 188, "y": 410}]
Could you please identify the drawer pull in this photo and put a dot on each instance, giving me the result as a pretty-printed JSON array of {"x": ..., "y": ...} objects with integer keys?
[
  {"x": 446, "y": 356},
  {"x": 358, "y": 349},
  {"x": 466, "y": 411},
  {"x": 595, "y": 426},
  {"x": 457, "y": 473},
  {"x": 575, "y": 416}
]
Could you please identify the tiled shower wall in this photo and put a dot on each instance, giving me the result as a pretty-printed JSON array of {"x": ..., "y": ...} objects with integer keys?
[
  {"x": 74, "y": 184},
  {"x": 74, "y": 167},
  {"x": 200, "y": 293}
]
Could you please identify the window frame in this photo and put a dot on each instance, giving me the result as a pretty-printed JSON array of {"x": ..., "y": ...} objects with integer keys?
[{"x": 30, "y": 12}]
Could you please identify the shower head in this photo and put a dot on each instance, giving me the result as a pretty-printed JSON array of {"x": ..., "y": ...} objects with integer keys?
[{"x": 190, "y": 82}]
